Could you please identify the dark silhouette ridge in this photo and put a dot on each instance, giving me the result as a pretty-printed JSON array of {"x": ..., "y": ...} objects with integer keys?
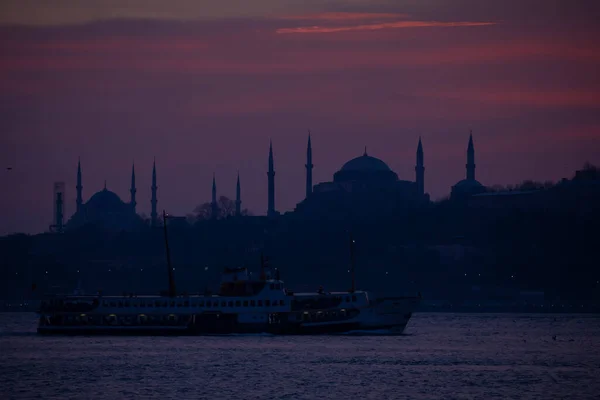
[
  {"x": 479, "y": 244},
  {"x": 505, "y": 247}
]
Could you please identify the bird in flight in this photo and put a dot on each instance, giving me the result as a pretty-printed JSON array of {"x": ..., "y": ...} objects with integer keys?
[{"x": 9, "y": 168}]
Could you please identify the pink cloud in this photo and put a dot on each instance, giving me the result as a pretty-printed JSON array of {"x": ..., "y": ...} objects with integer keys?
[
  {"x": 383, "y": 25},
  {"x": 343, "y": 16},
  {"x": 522, "y": 96}
]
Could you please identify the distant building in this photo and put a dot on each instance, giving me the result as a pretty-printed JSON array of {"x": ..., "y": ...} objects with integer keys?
[
  {"x": 105, "y": 210},
  {"x": 365, "y": 186},
  {"x": 465, "y": 188}
]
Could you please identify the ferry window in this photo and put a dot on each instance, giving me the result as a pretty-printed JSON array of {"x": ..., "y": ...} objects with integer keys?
[
  {"x": 165, "y": 304},
  {"x": 216, "y": 304},
  {"x": 238, "y": 303},
  {"x": 208, "y": 304},
  {"x": 143, "y": 304},
  {"x": 245, "y": 303},
  {"x": 272, "y": 286},
  {"x": 126, "y": 304},
  {"x": 267, "y": 303},
  {"x": 113, "y": 304},
  {"x": 121, "y": 304},
  {"x": 149, "y": 304},
  {"x": 157, "y": 303},
  {"x": 223, "y": 304},
  {"x": 178, "y": 304},
  {"x": 231, "y": 304},
  {"x": 252, "y": 303},
  {"x": 281, "y": 302},
  {"x": 172, "y": 304},
  {"x": 353, "y": 298},
  {"x": 347, "y": 299},
  {"x": 201, "y": 304},
  {"x": 260, "y": 303},
  {"x": 186, "y": 303}
]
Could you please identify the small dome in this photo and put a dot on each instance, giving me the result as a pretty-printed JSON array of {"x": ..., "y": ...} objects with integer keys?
[
  {"x": 468, "y": 184},
  {"x": 365, "y": 163}
]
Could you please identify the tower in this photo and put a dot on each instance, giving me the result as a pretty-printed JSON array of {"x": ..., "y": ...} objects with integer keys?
[
  {"x": 238, "y": 197},
  {"x": 59, "y": 207},
  {"x": 420, "y": 170},
  {"x": 214, "y": 206},
  {"x": 153, "y": 201},
  {"x": 309, "y": 167},
  {"x": 471, "y": 159},
  {"x": 133, "y": 189},
  {"x": 271, "y": 176},
  {"x": 79, "y": 187}
]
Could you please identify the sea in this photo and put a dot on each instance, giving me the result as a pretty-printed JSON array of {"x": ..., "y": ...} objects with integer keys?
[{"x": 440, "y": 356}]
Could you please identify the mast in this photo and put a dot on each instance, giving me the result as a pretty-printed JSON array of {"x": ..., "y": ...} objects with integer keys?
[
  {"x": 172, "y": 290},
  {"x": 352, "y": 262}
]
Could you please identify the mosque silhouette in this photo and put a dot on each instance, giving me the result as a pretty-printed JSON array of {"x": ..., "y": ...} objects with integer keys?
[{"x": 364, "y": 187}]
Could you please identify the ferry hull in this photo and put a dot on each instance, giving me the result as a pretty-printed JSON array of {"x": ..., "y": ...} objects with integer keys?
[
  {"x": 191, "y": 331},
  {"x": 228, "y": 325}
]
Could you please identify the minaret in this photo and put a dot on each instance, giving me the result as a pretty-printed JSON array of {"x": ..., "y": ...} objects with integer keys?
[
  {"x": 214, "y": 207},
  {"x": 133, "y": 189},
  {"x": 271, "y": 175},
  {"x": 471, "y": 159},
  {"x": 238, "y": 197},
  {"x": 420, "y": 170},
  {"x": 153, "y": 201},
  {"x": 309, "y": 167},
  {"x": 79, "y": 187}
]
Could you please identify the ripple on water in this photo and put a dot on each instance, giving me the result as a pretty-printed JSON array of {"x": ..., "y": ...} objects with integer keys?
[{"x": 440, "y": 356}]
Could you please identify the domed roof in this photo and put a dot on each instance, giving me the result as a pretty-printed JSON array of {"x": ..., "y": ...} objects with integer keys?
[
  {"x": 468, "y": 184},
  {"x": 105, "y": 199},
  {"x": 365, "y": 163}
]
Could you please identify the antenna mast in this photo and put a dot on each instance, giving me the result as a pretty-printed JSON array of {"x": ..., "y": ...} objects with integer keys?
[
  {"x": 352, "y": 262},
  {"x": 172, "y": 290}
]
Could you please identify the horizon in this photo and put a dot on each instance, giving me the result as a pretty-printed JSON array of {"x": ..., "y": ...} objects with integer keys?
[{"x": 203, "y": 87}]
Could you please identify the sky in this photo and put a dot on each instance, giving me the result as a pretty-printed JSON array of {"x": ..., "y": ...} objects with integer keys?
[{"x": 203, "y": 86}]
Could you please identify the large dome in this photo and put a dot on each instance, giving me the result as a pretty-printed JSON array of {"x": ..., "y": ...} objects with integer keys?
[
  {"x": 365, "y": 163},
  {"x": 105, "y": 199},
  {"x": 369, "y": 170}
]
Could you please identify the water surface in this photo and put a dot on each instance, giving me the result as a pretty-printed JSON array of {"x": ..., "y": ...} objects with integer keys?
[{"x": 453, "y": 356}]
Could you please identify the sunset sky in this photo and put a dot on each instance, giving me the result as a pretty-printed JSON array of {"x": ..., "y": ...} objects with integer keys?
[{"x": 204, "y": 85}]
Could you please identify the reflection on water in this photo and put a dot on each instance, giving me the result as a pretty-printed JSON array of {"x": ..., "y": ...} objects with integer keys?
[{"x": 439, "y": 356}]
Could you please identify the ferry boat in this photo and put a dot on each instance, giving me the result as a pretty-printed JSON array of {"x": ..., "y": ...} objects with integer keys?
[{"x": 242, "y": 305}]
